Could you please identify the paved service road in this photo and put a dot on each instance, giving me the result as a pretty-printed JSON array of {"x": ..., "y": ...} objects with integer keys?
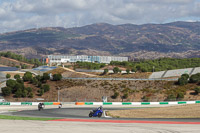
[{"x": 21, "y": 126}]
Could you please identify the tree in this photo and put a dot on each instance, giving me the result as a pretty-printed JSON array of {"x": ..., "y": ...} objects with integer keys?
[
  {"x": 18, "y": 93},
  {"x": 10, "y": 83},
  {"x": 27, "y": 76},
  {"x": 45, "y": 88},
  {"x": 8, "y": 76},
  {"x": 197, "y": 90},
  {"x": 24, "y": 93},
  {"x": 46, "y": 76},
  {"x": 182, "y": 81},
  {"x": 31, "y": 95},
  {"x": 20, "y": 81},
  {"x": 41, "y": 92},
  {"x": 105, "y": 71},
  {"x": 57, "y": 77},
  {"x": 6, "y": 91},
  {"x": 17, "y": 76},
  {"x": 180, "y": 95},
  {"x": 115, "y": 69},
  {"x": 185, "y": 75},
  {"x": 29, "y": 89},
  {"x": 125, "y": 96},
  {"x": 133, "y": 69},
  {"x": 116, "y": 94},
  {"x": 17, "y": 87},
  {"x": 127, "y": 71}
]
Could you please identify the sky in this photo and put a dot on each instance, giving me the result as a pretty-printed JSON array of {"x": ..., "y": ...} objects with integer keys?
[{"x": 26, "y": 14}]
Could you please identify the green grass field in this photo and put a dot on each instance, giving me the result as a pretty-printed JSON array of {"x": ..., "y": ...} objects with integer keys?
[{"x": 25, "y": 118}]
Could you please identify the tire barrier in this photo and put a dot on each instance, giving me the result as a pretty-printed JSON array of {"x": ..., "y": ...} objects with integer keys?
[
  {"x": 28, "y": 103},
  {"x": 137, "y": 103}
]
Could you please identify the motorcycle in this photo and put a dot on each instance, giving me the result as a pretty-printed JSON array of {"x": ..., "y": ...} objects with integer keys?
[
  {"x": 41, "y": 106},
  {"x": 96, "y": 113}
]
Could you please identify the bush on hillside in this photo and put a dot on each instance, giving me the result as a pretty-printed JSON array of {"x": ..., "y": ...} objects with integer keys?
[
  {"x": 116, "y": 70},
  {"x": 182, "y": 81},
  {"x": 127, "y": 71},
  {"x": 105, "y": 71},
  {"x": 17, "y": 76},
  {"x": 197, "y": 90},
  {"x": 57, "y": 77},
  {"x": 27, "y": 76},
  {"x": 8, "y": 76},
  {"x": 6, "y": 91},
  {"x": 116, "y": 94},
  {"x": 45, "y": 87},
  {"x": 11, "y": 83}
]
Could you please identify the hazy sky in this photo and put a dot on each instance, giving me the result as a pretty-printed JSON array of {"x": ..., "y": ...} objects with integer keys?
[{"x": 25, "y": 14}]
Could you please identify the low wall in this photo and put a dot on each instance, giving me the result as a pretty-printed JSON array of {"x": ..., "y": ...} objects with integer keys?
[{"x": 28, "y": 103}]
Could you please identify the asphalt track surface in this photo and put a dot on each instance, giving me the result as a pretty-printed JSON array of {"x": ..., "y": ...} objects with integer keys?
[{"x": 83, "y": 112}]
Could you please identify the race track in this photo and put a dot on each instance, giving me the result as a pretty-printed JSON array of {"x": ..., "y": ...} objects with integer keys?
[{"x": 82, "y": 113}]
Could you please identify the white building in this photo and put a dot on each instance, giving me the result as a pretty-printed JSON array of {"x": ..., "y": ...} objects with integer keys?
[{"x": 83, "y": 58}]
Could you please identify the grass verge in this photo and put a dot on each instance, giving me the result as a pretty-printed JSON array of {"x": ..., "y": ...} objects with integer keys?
[{"x": 25, "y": 118}]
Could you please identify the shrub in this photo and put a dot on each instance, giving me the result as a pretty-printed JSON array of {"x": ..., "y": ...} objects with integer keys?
[
  {"x": 116, "y": 70},
  {"x": 17, "y": 76},
  {"x": 39, "y": 84},
  {"x": 17, "y": 87},
  {"x": 45, "y": 77},
  {"x": 24, "y": 93},
  {"x": 171, "y": 97},
  {"x": 41, "y": 92},
  {"x": 57, "y": 77},
  {"x": 27, "y": 76},
  {"x": 185, "y": 75},
  {"x": 197, "y": 90},
  {"x": 127, "y": 71},
  {"x": 105, "y": 71},
  {"x": 11, "y": 83},
  {"x": 30, "y": 95},
  {"x": 20, "y": 81},
  {"x": 133, "y": 69},
  {"x": 45, "y": 88},
  {"x": 6, "y": 91},
  {"x": 116, "y": 94},
  {"x": 29, "y": 89},
  {"x": 180, "y": 95},
  {"x": 125, "y": 96},
  {"x": 8, "y": 76},
  {"x": 145, "y": 98},
  {"x": 18, "y": 93},
  {"x": 182, "y": 80}
]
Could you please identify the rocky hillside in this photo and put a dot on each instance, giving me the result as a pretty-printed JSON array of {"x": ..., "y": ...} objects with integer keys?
[{"x": 178, "y": 39}]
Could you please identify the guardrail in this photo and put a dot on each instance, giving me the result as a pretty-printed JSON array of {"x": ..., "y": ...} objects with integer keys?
[{"x": 137, "y": 103}]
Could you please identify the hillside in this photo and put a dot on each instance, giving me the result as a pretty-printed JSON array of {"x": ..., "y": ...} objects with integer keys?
[
  {"x": 13, "y": 63},
  {"x": 178, "y": 39},
  {"x": 91, "y": 91}
]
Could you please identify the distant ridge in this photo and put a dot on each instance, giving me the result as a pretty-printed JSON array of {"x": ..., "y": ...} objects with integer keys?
[{"x": 177, "y": 39}]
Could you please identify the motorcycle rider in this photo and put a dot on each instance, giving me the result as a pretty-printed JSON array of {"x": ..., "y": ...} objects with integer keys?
[
  {"x": 60, "y": 105},
  {"x": 99, "y": 108},
  {"x": 40, "y": 106}
]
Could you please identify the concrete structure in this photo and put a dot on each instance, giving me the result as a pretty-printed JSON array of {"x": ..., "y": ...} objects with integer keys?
[{"x": 58, "y": 59}]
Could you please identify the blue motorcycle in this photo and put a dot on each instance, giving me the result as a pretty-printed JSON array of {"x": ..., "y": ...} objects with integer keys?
[{"x": 96, "y": 113}]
